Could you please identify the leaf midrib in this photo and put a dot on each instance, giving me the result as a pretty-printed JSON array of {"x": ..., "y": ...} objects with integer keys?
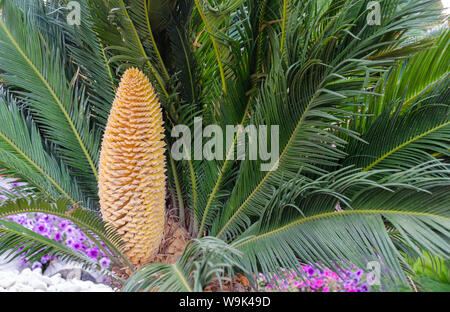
[
  {"x": 393, "y": 150},
  {"x": 55, "y": 97},
  {"x": 38, "y": 168},
  {"x": 142, "y": 50},
  {"x": 214, "y": 43},
  {"x": 79, "y": 222},
  {"x": 339, "y": 214},
  {"x": 181, "y": 277},
  {"x": 222, "y": 170},
  {"x": 41, "y": 239},
  {"x": 269, "y": 173}
]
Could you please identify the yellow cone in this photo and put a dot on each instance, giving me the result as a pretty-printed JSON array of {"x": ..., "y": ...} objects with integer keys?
[{"x": 132, "y": 168}]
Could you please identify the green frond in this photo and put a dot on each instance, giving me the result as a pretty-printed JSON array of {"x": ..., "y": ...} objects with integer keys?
[
  {"x": 211, "y": 31},
  {"x": 120, "y": 26},
  {"x": 413, "y": 123},
  {"x": 89, "y": 55},
  {"x": 203, "y": 261},
  {"x": 307, "y": 98},
  {"x": 355, "y": 234},
  {"x": 35, "y": 68},
  {"x": 34, "y": 246},
  {"x": 362, "y": 112},
  {"x": 400, "y": 85},
  {"x": 23, "y": 154},
  {"x": 185, "y": 63},
  {"x": 141, "y": 12},
  {"x": 88, "y": 221}
]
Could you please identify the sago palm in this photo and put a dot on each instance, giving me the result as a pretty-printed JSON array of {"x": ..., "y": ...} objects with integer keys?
[{"x": 362, "y": 110}]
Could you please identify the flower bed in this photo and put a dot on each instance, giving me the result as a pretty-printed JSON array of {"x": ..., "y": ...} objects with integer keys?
[
  {"x": 62, "y": 231},
  {"x": 56, "y": 228},
  {"x": 315, "y": 280}
]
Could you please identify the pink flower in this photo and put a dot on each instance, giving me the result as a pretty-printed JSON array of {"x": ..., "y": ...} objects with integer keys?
[
  {"x": 299, "y": 284},
  {"x": 326, "y": 289},
  {"x": 318, "y": 282}
]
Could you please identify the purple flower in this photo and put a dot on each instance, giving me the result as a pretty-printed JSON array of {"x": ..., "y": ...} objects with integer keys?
[
  {"x": 358, "y": 273},
  {"x": 92, "y": 252},
  {"x": 82, "y": 238},
  {"x": 60, "y": 230},
  {"x": 58, "y": 236},
  {"x": 29, "y": 224},
  {"x": 310, "y": 271},
  {"x": 46, "y": 258},
  {"x": 371, "y": 277},
  {"x": 63, "y": 225},
  {"x": 41, "y": 228},
  {"x": 364, "y": 287},
  {"x": 105, "y": 262},
  {"x": 76, "y": 245},
  {"x": 348, "y": 283},
  {"x": 21, "y": 219}
]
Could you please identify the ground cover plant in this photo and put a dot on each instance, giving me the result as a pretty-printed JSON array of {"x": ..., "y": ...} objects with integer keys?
[{"x": 362, "y": 113}]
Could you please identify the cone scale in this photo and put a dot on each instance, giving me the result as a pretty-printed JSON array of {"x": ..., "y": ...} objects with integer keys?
[{"x": 132, "y": 169}]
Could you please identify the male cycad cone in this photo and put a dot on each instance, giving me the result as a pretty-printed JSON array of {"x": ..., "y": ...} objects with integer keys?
[{"x": 132, "y": 168}]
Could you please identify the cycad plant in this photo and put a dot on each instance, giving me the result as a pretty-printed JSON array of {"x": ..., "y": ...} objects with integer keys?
[{"x": 362, "y": 109}]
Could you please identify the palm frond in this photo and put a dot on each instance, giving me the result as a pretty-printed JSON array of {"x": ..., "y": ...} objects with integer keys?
[
  {"x": 411, "y": 122},
  {"x": 23, "y": 154},
  {"x": 185, "y": 63},
  {"x": 35, "y": 68},
  {"x": 18, "y": 241},
  {"x": 117, "y": 24},
  {"x": 88, "y": 221},
  {"x": 319, "y": 234},
  {"x": 90, "y": 56},
  {"x": 304, "y": 95},
  {"x": 203, "y": 261}
]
